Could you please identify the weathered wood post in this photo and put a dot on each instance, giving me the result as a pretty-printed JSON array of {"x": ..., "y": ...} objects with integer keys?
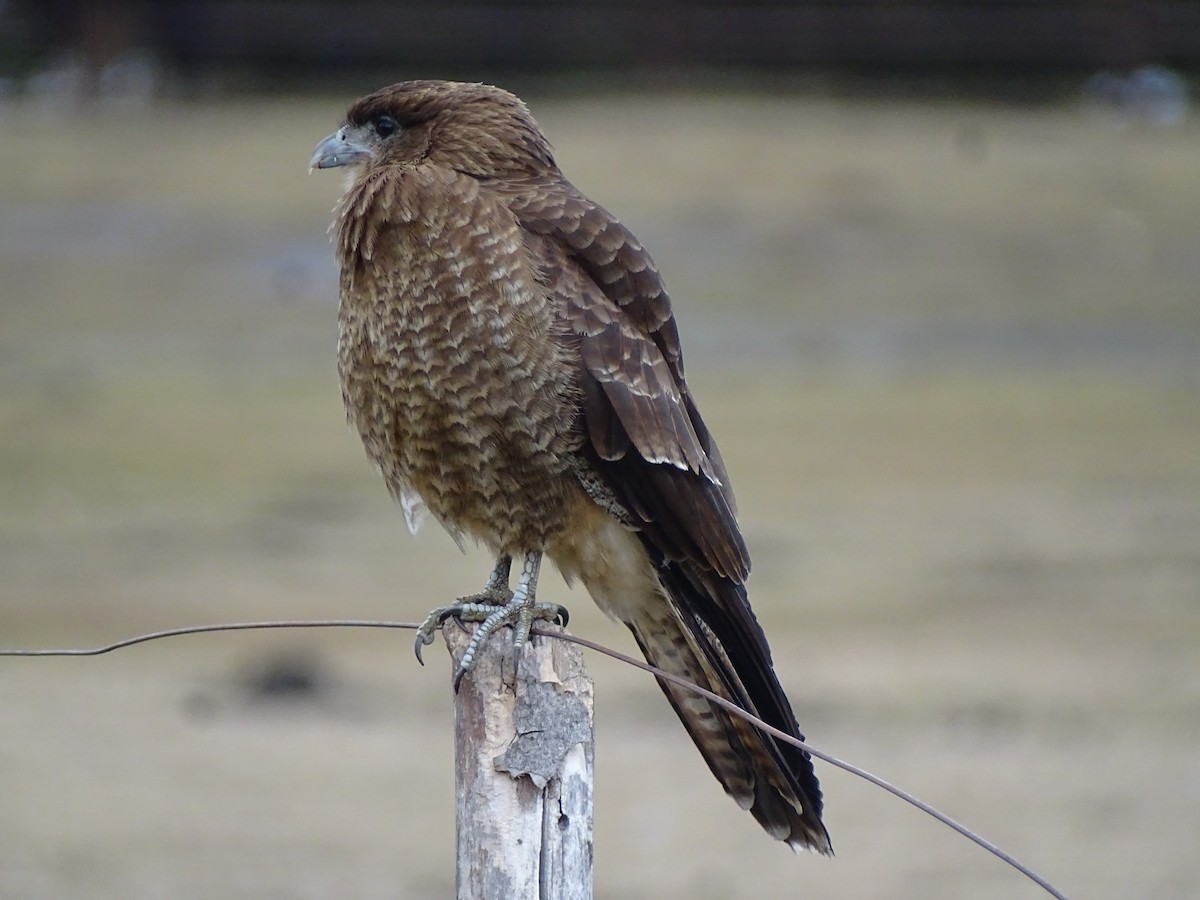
[{"x": 523, "y": 770}]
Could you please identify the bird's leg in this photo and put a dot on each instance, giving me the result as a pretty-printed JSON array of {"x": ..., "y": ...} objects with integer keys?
[
  {"x": 494, "y": 607},
  {"x": 520, "y": 612},
  {"x": 494, "y": 594}
]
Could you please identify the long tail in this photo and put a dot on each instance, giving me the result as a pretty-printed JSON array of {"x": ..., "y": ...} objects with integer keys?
[
  {"x": 694, "y": 636},
  {"x": 696, "y": 624}
]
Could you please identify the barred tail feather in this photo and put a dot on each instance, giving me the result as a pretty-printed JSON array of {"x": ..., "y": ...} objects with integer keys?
[
  {"x": 698, "y": 625},
  {"x": 771, "y": 779}
]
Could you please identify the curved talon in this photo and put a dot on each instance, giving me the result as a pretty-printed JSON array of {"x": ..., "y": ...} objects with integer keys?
[
  {"x": 423, "y": 640},
  {"x": 431, "y": 624},
  {"x": 450, "y": 612},
  {"x": 462, "y": 611},
  {"x": 493, "y": 607},
  {"x": 476, "y": 607}
]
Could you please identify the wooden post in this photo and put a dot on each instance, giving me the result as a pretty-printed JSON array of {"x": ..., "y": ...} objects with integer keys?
[{"x": 522, "y": 770}]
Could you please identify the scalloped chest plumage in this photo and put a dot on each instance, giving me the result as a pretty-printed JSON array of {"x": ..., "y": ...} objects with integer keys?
[{"x": 455, "y": 368}]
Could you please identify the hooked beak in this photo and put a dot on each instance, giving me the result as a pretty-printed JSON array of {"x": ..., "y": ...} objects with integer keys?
[{"x": 342, "y": 148}]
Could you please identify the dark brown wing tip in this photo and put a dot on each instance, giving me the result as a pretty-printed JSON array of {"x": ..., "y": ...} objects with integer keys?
[
  {"x": 809, "y": 840},
  {"x": 787, "y": 813}
]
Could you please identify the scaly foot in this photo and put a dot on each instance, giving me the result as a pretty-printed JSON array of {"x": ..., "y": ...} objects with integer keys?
[
  {"x": 495, "y": 593},
  {"x": 492, "y": 607}
]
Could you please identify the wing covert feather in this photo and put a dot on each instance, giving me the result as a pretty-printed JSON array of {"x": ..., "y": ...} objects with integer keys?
[{"x": 650, "y": 444}]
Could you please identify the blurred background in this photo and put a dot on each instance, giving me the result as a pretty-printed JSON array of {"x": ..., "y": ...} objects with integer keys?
[{"x": 936, "y": 268}]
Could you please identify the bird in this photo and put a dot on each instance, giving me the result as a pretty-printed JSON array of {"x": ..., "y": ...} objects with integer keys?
[{"x": 508, "y": 353}]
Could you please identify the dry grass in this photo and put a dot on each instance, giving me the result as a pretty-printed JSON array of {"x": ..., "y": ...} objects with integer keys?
[{"x": 951, "y": 355}]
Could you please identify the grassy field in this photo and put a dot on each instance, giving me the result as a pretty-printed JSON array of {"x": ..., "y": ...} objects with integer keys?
[{"x": 952, "y": 354}]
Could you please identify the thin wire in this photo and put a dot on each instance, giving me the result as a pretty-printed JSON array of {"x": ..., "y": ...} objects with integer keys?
[
  {"x": 820, "y": 754},
  {"x": 614, "y": 654},
  {"x": 204, "y": 629}
]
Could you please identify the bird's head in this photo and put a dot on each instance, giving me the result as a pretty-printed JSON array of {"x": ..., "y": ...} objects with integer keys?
[{"x": 475, "y": 129}]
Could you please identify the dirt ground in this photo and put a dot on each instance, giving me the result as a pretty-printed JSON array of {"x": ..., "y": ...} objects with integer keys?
[{"x": 951, "y": 352}]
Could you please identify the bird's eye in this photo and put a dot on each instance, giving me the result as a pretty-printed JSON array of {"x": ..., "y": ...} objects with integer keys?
[{"x": 385, "y": 126}]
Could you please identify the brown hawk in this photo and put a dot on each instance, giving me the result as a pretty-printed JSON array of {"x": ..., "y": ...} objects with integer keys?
[{"x": 508, "y": 354}]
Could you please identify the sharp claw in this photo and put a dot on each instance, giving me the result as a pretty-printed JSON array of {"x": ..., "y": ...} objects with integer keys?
[
  {"x": 450, "y": 612},
  {"x": 496, "y": 606},
  {"x": 421, "y": 642}
]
